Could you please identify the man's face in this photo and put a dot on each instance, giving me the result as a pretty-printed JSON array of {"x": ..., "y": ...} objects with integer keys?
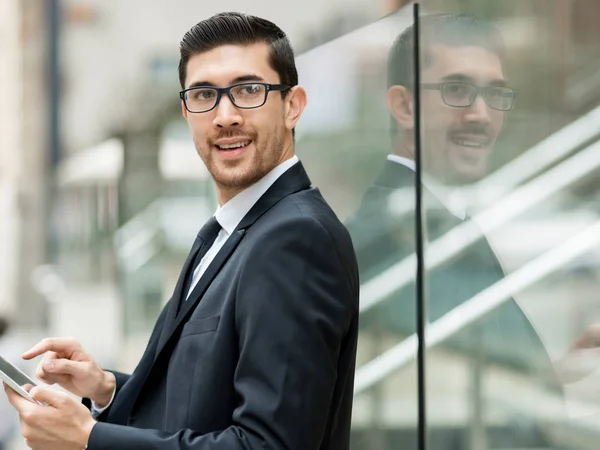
[
  {"x": 457, "y": 142},
  {"x": 238, "y": 146}
]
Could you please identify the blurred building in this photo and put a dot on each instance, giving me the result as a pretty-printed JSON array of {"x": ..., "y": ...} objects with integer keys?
[
  {"x": 23, "y": 156},
  {"x": 101, "y": 191}
]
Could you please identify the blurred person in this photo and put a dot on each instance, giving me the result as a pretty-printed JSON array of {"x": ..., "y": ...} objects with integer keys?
[
  {"x": 9, "y": 420},
  {"x": 256, "y": 348},
  {"x": 465, "y": 95}
]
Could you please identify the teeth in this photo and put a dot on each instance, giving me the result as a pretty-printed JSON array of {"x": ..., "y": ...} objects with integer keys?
[
  {"x": 469, "y": 143},
  {"x": 230, "y": 146}
]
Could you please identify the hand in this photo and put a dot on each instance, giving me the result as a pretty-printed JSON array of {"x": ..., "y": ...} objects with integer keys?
[
  {"x": 67, "y": 364},
  {"x": 589, "y": 339},
  {"x": 582, "y": 358},
  {"x": 63, "y": 424}
]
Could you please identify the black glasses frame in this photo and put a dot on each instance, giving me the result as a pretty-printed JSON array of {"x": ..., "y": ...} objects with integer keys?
[
  {"x": 479, "y": 91},
  {"x": 227, "y": 91}
]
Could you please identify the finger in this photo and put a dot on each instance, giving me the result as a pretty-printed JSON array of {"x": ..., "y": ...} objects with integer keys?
[
  {"x": 62, "y": 346},
  {"x": 54, "y": 379},
  {"x": 49, "y": 357},
  {"x": 47, "y": 396},
  {"x": 18, "y": 402},
  {"x": 64, "y": 367},
  {"x": 49, "y": 377}
]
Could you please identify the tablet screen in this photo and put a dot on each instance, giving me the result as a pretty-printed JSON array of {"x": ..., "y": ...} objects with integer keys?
[{"x": 14, "y": 373}]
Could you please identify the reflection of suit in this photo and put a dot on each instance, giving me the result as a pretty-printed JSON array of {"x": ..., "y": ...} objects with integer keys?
[
  {"x": 383, "y": 238},
  {"x": 262, "y": 353}
]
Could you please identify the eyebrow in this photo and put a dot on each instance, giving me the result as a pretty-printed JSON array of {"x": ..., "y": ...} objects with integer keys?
[
  {"x": 236, "y": 80},
  {"x": 467, "y": 79}
]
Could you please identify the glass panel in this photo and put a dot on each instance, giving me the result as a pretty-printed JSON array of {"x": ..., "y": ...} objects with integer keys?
[
  {"x": 345, "y": 142},
  {"x": 509, "y": 196}
]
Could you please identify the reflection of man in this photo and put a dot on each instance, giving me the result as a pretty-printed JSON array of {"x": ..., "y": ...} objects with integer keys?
[
  {"x": 465, "y": 96},
  {"x": 256, "y": 348}
]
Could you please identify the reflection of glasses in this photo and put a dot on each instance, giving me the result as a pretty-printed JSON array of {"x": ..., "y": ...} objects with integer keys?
[
  {"x": 202, "y": 99},
  {"x": 462, "y": 95}
]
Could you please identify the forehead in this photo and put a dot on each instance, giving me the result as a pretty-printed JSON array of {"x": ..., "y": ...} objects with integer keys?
[
  {"x": 225, "y": 63},
  {"x": 478, "y": 63}
]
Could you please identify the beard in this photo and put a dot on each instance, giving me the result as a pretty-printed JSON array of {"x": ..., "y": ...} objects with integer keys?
[{"x": 240, "y": 174}]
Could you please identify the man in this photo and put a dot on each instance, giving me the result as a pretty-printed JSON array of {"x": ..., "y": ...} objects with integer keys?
[
  {"x": 464, "y": 98},
  {"x": 256, "y": 348}
]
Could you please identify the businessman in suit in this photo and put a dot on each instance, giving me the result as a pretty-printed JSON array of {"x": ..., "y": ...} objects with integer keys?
[
  {"x": 256, "y": 348},
  {"x": 465, "y": 96}
]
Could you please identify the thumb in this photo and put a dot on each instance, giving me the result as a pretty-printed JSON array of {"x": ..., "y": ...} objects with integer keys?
[
  {"x": 45, "y": 395},
  {"x": 64, "y": 367}
]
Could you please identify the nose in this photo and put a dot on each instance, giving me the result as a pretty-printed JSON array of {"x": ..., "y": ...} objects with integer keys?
[
  {"x": 478, "y": 112},
  {"x": 227, "y": 114}
]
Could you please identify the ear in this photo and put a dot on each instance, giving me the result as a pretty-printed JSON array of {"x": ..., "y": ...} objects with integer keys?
[
  {"x": 399, "y": 101},
  {"x": 295, "y": 102},
  {"x": 184, "y": 111}
]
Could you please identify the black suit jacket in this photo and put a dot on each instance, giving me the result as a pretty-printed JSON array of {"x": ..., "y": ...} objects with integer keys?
[
  {"x": 262, "y": 354},
  {"x": 382, "y": 239},
  {"x": 504, "y": 338}
]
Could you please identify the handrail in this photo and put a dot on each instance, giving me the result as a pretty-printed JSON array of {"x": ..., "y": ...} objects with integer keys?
[
  {"x": 135, "y": 240},
  {"x": 477, "y": 307},
  {"x": 538, "y": 158},
  {"x": 379, "y": 287}
]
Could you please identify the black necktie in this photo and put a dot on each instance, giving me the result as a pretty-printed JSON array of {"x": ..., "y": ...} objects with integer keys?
[{"x": 207, "y": 235}]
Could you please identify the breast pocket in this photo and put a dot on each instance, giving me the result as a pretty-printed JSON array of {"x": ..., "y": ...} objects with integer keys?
[{"x": 200, "y": 326}]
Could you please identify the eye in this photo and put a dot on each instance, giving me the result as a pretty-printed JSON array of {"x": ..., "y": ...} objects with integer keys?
[
  {"x": 457, "y": 89},
  {"x": 203, "y": 94},
  {"x": 250, "y": 89},
  {"x": 496, "y": 93}
]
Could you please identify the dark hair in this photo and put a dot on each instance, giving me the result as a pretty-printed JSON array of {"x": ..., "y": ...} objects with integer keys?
[
  {"x": 233, "y": 28},
  {"x": 448, "y": 29}
]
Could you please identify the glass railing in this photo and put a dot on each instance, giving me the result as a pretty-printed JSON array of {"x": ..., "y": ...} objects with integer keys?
[
  {"x": 509, "y": 101},
  {"x": 510, "y": 153}
]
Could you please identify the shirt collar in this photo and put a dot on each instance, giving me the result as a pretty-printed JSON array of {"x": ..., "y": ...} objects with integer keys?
[
  {"x": 451, "y": 199},
  {"x": 231, "y": 213}
]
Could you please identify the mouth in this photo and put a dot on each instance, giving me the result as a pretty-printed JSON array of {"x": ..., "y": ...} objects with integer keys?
[
  {"x": 232, "y": 149},
  {"x": 471, "y": 145},
  {"x": 466, "y": 143},
  {"x": 475, "y": 141},
  {"x": 233, "y": 146}
]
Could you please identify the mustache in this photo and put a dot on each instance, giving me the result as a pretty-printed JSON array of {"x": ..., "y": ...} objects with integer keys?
[
  {"x": 227, "y": 134},
  {"x": 474, "y": 129}
]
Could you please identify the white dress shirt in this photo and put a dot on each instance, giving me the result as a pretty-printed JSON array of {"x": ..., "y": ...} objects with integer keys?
[
  {"x": 451, "y": 199},
  {"x": 231, "y": 214},
  {"x": 229, "y": 217}
]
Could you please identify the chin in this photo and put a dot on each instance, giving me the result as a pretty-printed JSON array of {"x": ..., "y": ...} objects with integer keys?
[
  {"x": 470, "y": 176},
  {"x": 233, "y": 179}
]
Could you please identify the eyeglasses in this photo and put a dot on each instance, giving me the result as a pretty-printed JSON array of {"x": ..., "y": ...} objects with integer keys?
[
  {"x": 201, "y": 99},
  {"x": 463, "y": 95}
]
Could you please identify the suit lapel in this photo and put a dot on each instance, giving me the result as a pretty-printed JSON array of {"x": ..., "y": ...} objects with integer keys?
[
  {"x": 293, "y": 180},
  {"x": 187, "y": 306},
  {"x": 177, "y": 294}
]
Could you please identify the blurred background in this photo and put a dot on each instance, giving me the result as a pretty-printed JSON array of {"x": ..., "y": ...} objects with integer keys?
[{"x": 102, "y": 193}]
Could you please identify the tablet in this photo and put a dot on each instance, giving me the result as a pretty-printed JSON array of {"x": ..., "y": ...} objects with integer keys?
[{"x": 15, "y": 379}]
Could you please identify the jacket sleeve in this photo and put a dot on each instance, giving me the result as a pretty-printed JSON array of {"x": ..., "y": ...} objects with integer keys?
[
  {"x": 296, "y": 308},
  {"x": 122, "y": 378}
]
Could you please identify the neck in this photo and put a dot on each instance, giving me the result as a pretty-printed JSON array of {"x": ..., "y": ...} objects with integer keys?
[
  {"x": 404, "y": 147},
  {"x": 226, "y": 193}
]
